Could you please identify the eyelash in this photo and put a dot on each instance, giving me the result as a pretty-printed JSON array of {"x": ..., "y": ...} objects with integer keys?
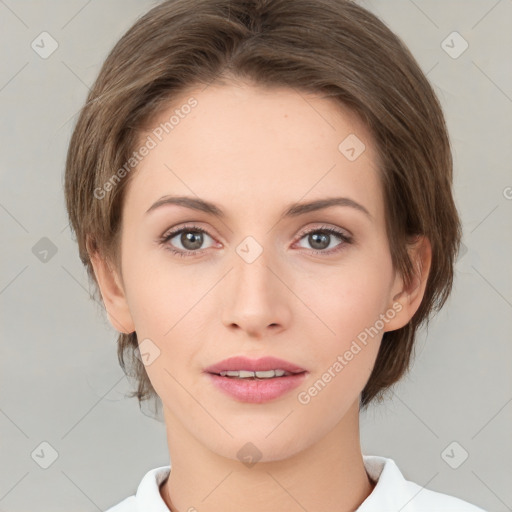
[{"x": 184, "y": 254}]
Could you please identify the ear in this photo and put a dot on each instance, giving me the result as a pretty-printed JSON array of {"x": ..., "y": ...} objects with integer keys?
[
  {"x": 406, "y": 300},
  {"x": 113, "y": 294}
]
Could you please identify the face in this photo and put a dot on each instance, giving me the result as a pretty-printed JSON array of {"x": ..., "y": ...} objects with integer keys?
[{"x": 256, "y": 281}]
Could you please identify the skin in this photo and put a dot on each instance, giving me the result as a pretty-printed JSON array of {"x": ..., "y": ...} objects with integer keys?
[{"x": 253, "y": 151}]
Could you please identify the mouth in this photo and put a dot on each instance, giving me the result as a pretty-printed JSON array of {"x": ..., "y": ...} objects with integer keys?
[
  {"x": 258, "y": 375},
  {"x": 256, "y": 390},
  {"x": 263, "y": 368},
  {"x": 255, "y": 381}
]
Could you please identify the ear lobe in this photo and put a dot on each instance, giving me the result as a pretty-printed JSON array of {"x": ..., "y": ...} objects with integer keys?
[
  {"x": 410, "y": 297},
  {"x": 113, "y": 294}
]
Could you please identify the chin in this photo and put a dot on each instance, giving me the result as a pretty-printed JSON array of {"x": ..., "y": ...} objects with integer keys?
[{"x": 255, "y": 446}]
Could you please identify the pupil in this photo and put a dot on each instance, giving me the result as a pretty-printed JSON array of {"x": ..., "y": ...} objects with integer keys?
[
  {"x": 192, "y": 236},
  {"x": 314, "y": 240}
]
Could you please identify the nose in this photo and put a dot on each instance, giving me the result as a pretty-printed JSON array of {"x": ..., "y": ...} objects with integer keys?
[{"x": 256, "y": 299}]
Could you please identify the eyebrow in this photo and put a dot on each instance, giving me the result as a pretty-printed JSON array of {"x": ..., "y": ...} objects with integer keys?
[{"x": 293, "y": 210}]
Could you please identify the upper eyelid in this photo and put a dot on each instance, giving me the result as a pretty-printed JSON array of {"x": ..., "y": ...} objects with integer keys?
[
  {"x": 178, "y": 230},
  {"x": 325, "y": 227}
]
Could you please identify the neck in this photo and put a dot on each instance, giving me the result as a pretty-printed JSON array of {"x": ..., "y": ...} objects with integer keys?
[{"x": 328, "y": 475}]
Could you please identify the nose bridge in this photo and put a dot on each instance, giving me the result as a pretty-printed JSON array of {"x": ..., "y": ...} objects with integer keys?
[{"x": 252, "y": 275}]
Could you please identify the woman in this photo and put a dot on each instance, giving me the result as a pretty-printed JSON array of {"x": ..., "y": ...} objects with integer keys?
[{"x": 261, "y": 191}]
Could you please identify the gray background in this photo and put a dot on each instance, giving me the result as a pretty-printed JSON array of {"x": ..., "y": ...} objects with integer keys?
[{"x": 60, "y": 380}]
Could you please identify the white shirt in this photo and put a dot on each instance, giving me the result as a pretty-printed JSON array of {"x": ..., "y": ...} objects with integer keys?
[{"x": 392, "y": 493}]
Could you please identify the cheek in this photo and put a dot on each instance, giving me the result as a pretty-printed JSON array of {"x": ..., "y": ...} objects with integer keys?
[
  {"x": 167, "y": 304},
  {"x": 347, "y": 339},
  {"x": 159, "y": 292},
  {"x": 348, "y": 299}
]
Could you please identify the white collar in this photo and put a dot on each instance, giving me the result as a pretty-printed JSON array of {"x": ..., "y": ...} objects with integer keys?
[{"x": 391, "y": 493}]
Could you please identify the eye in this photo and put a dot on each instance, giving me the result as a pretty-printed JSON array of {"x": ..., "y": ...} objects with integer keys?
[
  {"x": 191, "y": 239},
  {"x": 320, "y": 239}
]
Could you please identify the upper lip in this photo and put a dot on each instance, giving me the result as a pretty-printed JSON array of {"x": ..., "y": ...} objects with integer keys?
[{"x": 254, "y": 365}]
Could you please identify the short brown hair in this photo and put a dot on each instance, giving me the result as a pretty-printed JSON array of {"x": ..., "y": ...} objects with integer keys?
[{"x": 331, "y": 47}]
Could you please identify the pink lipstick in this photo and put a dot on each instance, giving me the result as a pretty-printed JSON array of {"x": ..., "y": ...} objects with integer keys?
[{"x": 255, "y": 380}]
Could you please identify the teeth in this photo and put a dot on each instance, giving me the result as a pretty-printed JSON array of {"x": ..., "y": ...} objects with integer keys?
[{"x": 246, "y": 374}]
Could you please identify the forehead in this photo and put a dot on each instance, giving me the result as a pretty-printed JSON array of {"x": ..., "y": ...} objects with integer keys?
[{"x": 246, "y": 147}]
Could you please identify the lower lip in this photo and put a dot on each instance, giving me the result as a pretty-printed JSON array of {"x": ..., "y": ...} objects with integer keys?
[{"x": 257, "y": 391}]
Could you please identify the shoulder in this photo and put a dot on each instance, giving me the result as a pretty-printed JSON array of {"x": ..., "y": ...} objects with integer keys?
[
  {"x": 147, "y": 497},
  {"x": 426, "y": 500},
  {"x": 393, "y": 492}
]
